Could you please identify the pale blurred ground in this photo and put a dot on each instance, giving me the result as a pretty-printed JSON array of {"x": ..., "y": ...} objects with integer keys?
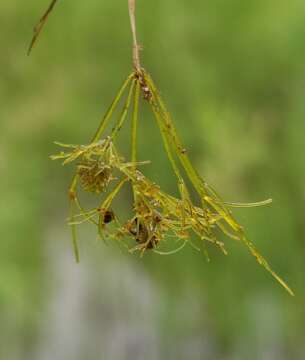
[{"x": 233, "y": 75}]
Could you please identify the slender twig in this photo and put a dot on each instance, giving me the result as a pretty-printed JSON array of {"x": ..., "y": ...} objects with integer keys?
[
  {"x": 38, "y": 28},
  {"x": 136, "y": 46}
]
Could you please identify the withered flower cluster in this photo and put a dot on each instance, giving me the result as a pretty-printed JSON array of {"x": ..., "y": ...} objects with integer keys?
[{"x": 157, "y": 217}]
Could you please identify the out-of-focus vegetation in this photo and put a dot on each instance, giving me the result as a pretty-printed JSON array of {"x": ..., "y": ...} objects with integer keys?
[{"x": 233, "y": 75}]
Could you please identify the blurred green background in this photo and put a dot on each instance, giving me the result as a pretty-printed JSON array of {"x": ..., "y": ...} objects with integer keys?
[{"x": 233, "y": 76}]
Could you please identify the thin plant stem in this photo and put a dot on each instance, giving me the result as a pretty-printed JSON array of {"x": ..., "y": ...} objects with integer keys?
[
  {"x": 134, "y": 123},
  {"x": 262, "y": 261},
  {"x": 120, "y": 123},
  {"x": 136, "y": 47},
  {"x": 110, "y": 111},
  {"x": 134, "y": 130},
  {"x": 167, "y": 145},
  {"x": 74, "y": 236}
]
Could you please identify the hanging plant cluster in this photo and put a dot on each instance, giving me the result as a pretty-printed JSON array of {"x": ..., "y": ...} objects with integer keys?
[{"x": 157, "y": 218}]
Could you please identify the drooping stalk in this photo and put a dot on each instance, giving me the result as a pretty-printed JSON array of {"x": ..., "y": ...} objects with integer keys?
[
  {"x": 171, "y": 133},
  {"x": 167, "y": 145},
  {"x": 182, "y": 189},
  {"x": 262, "y": 261},
  {"x": 110, "y": 111},
  {"x": 74, "y": 236},
  {"x": 134, "y": 132},
  {"x": 200, "y": 186},
  {"x": 134, "y": 123},
  {"x": 124, "y": 113}
]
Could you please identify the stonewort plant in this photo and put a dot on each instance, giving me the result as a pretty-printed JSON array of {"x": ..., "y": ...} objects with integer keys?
[{"x": 157, "y": 218}]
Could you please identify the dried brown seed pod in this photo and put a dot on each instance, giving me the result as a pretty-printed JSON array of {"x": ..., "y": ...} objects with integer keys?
[
  {"x": 106, "y": 216},
  {"x": 144, "y": 232}
]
